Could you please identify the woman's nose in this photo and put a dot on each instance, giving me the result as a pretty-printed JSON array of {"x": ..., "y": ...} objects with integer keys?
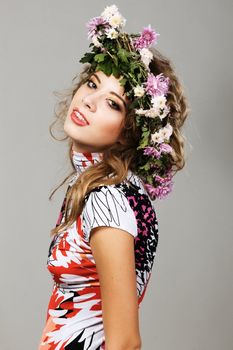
[{"x": 89, "y": 101}]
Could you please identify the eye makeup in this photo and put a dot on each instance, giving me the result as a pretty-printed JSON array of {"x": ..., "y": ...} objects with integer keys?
[{"x": 114, "y": 105}]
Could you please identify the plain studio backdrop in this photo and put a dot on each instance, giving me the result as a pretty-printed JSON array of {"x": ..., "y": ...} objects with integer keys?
[{"x": 188, "y": 304}]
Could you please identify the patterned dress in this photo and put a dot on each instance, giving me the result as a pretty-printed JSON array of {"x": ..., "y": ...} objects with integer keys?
[{"x": 74, "y": 315}]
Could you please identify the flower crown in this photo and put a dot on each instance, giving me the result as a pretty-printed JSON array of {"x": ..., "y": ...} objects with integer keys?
[{"x": 127, "y": 56}]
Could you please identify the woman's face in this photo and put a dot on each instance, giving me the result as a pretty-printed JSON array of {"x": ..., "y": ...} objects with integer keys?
[{"x": 101, "y": 101}]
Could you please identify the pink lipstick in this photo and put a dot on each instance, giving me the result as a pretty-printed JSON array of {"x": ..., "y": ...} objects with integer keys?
[{"x": 78, "y": 118}]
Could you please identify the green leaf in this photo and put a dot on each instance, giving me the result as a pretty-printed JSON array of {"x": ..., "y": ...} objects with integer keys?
[
  {"x": 100, "y": 57},
  {"x": 145, "y": 167},
  {"x": 115, "y": 59},
  {"x": 144, "y": 140},
  {"x": 123, "y": 55},
  {"x": 122, "y": 81},
  {"x": 150, "y": 179},
  {"x": 146, "y": 134},
  {"x": 143, "y": 144},
  {"x": 115, "y": 71},
  {"x": 88, "y": 57},
  {"x": 133, "y": 66},
  {"x": 107, "y": 68}
]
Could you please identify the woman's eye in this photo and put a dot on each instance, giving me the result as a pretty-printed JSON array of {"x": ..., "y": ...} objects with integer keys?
[
  {"x": 114, "y": 105},
  {"x": 90, "y": 81}
]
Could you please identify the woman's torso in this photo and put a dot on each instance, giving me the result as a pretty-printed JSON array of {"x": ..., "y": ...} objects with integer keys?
[{"x": 74, "y": 314}]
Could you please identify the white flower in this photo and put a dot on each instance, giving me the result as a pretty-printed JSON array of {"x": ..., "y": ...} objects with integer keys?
[
  {"x": 113, "y": 16},
  {"x": 109, "y": 11},
  {"x": 140, "y": 111},
  {"x": 166, "y": 131},
  {"x": 157, "y": 137},
  {"x": 95, "y": 41},
  {"x": 112, "y": 33},
  {"x": 152, "y": 112},
  {"x": 146, "y": 56},
  {"x": 163, "y": 134},
  {"x": 139, "y": 91},
  {"x": 165, "y": 112},
  {"x": 159, "y": 101},
  {"x": 117, "y": 21}
]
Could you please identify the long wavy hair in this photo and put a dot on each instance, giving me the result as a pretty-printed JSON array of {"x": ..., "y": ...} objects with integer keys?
[{"x": 121, "y": 156}]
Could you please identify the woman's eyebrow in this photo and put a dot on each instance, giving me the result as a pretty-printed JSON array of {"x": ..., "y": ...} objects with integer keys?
[{"x": 111, "y": 92}]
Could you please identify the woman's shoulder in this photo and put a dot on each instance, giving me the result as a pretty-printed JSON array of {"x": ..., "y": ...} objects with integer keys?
[
  {"x": 118, "y": 205},
  {"x": 133, "y": 186},
  {"x": 136, "y": 182},
  {"x": 129, "y": 193},
  {"x": 108, "y": 205}
]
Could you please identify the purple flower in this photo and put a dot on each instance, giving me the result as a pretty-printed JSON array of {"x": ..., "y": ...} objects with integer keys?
[
  {"x": 160, "y": 179},
  {"x": 163, "y": 191},
  {"x": 93, "y": 24},
  {"x": 165, "y": 184},
  {"x": 165, "y": 148},
  {"x": 160, "y": 191},
  {"x": 151, "y": 190},
  {"x": 151, "y": 151},
  {"x": 156, "y": 85},
  {"x": 163, "y": 180},
  {"x": 166, "y": 180},
  {"x": 146, "y": 39}
]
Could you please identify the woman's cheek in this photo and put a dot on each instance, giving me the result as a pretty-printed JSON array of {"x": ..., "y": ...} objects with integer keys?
[{"x": 111, "y": 128}]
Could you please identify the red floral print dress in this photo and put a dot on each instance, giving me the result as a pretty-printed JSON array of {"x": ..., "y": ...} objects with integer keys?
[{"x": 74, "y": 314}]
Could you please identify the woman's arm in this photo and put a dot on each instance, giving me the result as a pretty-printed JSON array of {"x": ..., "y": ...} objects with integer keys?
[{"x": 113, "y": 251}]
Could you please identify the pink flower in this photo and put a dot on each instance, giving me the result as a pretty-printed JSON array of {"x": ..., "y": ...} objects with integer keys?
[
  {"x": 163, "y": 191},
  {"x": 146, "y": 39},
  {"x": 151, "y": 190},
  {"x": 156, "y": 85},
  {"x": 160, "y": 192},
  {"x": 93, "y": 24},
  {"x": 151, "y": 151},
  {"x": 165, "y": 148},
  {"x": 164, "y": 180},
  {"x": 164, "y": 187}
]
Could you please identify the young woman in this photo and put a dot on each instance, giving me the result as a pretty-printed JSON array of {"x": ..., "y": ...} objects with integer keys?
[{"x": 122, "y": 120}]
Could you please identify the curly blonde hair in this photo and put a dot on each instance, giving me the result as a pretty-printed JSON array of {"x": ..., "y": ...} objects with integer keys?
[{"x": 121, "y": 156}]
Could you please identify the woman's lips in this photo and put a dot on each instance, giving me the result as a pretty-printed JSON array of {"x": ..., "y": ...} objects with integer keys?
[{"x": 75, "y": 116}]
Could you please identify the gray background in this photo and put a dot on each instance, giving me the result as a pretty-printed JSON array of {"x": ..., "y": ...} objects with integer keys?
[{"x": 188, "y": 305}]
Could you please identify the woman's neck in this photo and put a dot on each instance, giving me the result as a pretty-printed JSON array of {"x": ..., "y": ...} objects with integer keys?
[{"x": 82, "y": 160}]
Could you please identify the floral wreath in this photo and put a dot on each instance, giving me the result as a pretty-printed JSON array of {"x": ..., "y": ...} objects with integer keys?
[{"x": 128, "y": 56}]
